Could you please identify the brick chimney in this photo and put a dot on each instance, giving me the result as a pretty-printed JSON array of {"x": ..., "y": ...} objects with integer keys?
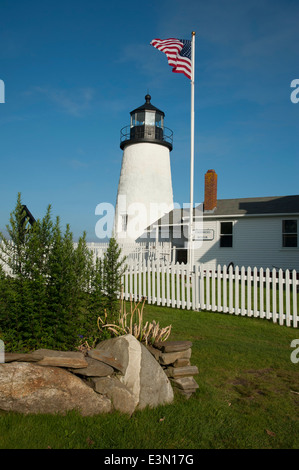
[{"x": 210, "y": 202}]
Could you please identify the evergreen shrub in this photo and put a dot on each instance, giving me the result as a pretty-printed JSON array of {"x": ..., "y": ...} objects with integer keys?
[{"x": 55, "y": 290}]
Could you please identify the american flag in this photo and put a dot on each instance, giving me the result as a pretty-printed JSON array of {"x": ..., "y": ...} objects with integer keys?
[{"x": 178, "y": 52}]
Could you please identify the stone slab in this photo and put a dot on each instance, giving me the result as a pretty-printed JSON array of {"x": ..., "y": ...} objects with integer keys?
[
  {"x": 173, "y": 346},
  {"x": 155, "y": 352},
  {"x": 20, "y": 357},
  {"x": 181, "y": 371},
  {"x": 108, "y": 359},
  {"x": 182, "y": 363},
  {"x": 69, "y": 359},
  {"x": 171, "y": 357},
  {"x": 94, "y": 368},
  {"x": 186, "y": 393},
  {"x": 185, "y": 383}
]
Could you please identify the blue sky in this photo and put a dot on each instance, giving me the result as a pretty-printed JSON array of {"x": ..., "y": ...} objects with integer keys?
[{"x": 73, "y": 71}]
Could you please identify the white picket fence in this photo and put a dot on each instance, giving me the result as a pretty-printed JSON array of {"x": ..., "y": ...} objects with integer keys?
[
  {"x": 269, "y": 294},
  {"x": 137, "y": 252}
]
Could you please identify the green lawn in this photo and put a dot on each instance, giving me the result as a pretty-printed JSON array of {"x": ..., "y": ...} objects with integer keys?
[{"x": 248, "y": 396}]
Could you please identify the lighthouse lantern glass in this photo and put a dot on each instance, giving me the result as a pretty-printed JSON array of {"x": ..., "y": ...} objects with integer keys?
[
  {"x": 149, "y": 118},
  {"x": 146, "y": 124},
  {"x": 159, "y": 120},
  {"x": 139, "y": 119}
]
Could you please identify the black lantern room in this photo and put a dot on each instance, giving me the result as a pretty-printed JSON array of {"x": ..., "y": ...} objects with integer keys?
[{"x": 147, "y": 125}]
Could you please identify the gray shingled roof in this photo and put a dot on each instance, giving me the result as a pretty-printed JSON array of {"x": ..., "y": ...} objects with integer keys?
[
  {"x": 244, "y": 206},
  {"x": 258, "y": 205}
]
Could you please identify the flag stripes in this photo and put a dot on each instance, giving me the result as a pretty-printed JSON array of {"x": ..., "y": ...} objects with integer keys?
[{"x": 178, "y": 52}]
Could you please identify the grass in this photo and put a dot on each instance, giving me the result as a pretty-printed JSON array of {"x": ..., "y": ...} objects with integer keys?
[{"x": 248, "y": 396}]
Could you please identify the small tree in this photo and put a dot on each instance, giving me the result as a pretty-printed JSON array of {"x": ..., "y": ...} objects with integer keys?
[
  {"x": 17, "y": 315},
  {"x": 12, "y": 248},
  {"x": 113, "y": 269},
  {"x": 96, "y": 297}
]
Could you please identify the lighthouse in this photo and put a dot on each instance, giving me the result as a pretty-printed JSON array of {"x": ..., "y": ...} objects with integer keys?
[{"x": 145, "y": 187}]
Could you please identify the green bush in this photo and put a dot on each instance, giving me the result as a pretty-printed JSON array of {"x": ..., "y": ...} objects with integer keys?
[{"x": 55, "y": 291}]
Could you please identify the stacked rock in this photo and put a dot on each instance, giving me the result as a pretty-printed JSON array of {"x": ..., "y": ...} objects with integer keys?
[
  {"x": 174, "y": 357},
  {"x": 119, "y": 373}
]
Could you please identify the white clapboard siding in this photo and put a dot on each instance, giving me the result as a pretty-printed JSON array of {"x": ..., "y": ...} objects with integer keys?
[
  {"x": 252, "y": 292},
  {"x": 257, "y": 241}
]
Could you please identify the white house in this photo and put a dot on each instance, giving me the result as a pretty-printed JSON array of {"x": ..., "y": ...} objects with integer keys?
[{"x": 258, "y": 231}]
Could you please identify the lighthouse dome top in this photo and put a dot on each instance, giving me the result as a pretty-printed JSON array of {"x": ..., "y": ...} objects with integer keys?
[
  {"x": 148, "y": 106},
  {"x": 146, "y": 125}
]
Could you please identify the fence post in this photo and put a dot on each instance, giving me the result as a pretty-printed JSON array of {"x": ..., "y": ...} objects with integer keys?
[
  {"x": 168, "y": 285},
  {"x": 225, "y": 308},
  {"x": 255, "y": 292},
  {"x": 158, "y": 284},
  {"x": 249, "y": 279},
  {"x": 294, "y": 279},
  {"x": 237, "y": 290},
  {"x": 197, "y": 279},
  {"x": 183, "y": 288},
  {"x": 208, "y": 303},
  {"x": 149, "y": 273},
  {"x": 163, "y": 284},
  {"x": 126, "y": 284},
  {"x": 153, "y": 282},
  {"x": 135, "y": 281},
  {"x": 144, "y": 271},
  {"x": 172, "y": 285},
  {"x": 219, "y": 289},
  {"x": 288, "y": 304},
  {"x": 140, "y": 266},
  {"x": 261, "y": 275},
  {"x": 188, "y": 274},
  {"x": 178, "y": 285},
  {"x": 213, "y": 290},
  {"x": 231, "y": 287},
  {"x": 193, "y": 287},
  {"x": 243, "y": 277},
  {"x": 280, "y": 290},
  {"x": 274, "y": 314},
  {"x": 268, "y": 308}
]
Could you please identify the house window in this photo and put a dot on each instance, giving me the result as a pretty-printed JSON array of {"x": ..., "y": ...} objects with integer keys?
[
  {"x": 226, "y": 234},
  {"x": 124, "y": 222},
  {"x": 289, "y": 233}
]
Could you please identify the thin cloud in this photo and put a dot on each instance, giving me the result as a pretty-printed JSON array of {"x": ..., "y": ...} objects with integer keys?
[
  {"x": 76, "y": 164},
  {"x": 74, "y": 102},
  {"x": 142, "y": 55}
]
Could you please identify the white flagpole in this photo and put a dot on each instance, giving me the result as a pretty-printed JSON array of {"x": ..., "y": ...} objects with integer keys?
[{"x": 190, "y": 254}]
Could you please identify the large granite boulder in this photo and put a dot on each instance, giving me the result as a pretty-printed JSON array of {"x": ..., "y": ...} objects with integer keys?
[
  {"x": 30, "y": 388},
  {"x": 141, "y": 373},
  {"x": 121, "y": 397}
]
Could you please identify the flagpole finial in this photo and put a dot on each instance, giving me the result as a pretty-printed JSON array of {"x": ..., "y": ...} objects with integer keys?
[{"x": 193, "y": 33}]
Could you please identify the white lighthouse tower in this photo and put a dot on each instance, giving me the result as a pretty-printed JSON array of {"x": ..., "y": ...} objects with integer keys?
[{"x": 145, "y": 187}]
